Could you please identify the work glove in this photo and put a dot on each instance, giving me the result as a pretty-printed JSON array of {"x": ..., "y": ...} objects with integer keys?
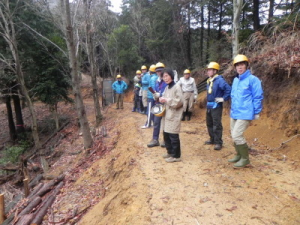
[
  {"x": 156, "y": 95},
  {"x": 218, "y": 100},
  {"x": 256, "y": 117}
]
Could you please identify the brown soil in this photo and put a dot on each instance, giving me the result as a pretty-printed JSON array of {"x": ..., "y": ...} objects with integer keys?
[
  {"x": 121, "y": 181},
  {"x": 132, "y": 184}
]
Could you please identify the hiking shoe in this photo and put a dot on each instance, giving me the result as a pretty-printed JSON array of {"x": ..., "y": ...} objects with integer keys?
[
  {"x": 167, "y": 156},
  {"x": 209, "y": 143},
  {"x": 153, "y": 143},
  {"x": 217, "y": 147},
  {"x": 172, "y": 159},
  {"x": 163, "y": 144}
]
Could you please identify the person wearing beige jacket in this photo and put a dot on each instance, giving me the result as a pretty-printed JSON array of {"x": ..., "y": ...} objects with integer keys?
[{"x": 171, "y": 121}]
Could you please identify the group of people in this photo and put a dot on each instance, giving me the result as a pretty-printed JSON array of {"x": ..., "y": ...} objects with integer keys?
[{"x": 158, "y": 87}]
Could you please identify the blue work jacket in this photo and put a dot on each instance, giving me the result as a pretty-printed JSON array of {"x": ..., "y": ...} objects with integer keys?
[
  {"x": 220, "y": 89},
  {"x": 119, "y": 86},
  {"x": 145, "y": 81},
  {"x": 246, "y": 97},
  {"x": 153, "y": 79}
]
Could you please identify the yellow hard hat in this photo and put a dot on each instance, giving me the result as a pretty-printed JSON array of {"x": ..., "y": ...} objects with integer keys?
[
  {"x": 158, "y": 110},
  {"x": 144, "y": 67},
  {"x": 213, "y": 65},
  {"x": 159, "y": 65},
  {"x": 186, "y": 71},
  {"x": 138, "y": 72},
  {"x": 119, "y": 76},
  {"x": 240, "y": 58},
  {"x": 152, "y": 68}
]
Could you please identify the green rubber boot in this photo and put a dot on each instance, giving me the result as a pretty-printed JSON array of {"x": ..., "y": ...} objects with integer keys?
[
  {"x": 237, "y": 157},
  {"x": 244, "y": 152}
]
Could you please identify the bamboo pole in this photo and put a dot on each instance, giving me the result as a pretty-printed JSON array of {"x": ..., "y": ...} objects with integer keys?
[
  {"x": 2, "y": 209},
  {"x": 26, "y": 187}
]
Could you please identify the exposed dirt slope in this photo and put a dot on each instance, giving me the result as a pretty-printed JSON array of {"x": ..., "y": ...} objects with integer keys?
[{"x": 139, "y": 187}]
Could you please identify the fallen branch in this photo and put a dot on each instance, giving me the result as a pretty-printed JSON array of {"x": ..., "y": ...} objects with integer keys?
[
  {"x": 25, "y": 220},
  {"x": 283, "y": 143},
  {"x": 47, "y": 187},
  {"x": 39, "y": 215}
]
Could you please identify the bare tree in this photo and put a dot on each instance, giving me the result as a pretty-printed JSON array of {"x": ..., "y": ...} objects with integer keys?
[
  {"x": 69, "y": 33},
  {"x": 237, "y": 9},
  {"x": 89, "y": 31},
  {"x": 7, "y": 30}
]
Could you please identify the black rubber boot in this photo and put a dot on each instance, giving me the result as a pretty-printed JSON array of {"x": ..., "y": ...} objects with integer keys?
[
  {"x": 183, "y": 116},
  {"x": 189, "y": 114}
]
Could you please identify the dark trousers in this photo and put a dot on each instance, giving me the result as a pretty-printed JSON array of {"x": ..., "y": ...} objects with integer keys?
[
  {"x": 172, "y": 143},
  {"x": 141, "y": 106},
  {"x": 214, "y": 125},
  {"x": 156, "y": 127},
  {"x": 136, "y": 100}
]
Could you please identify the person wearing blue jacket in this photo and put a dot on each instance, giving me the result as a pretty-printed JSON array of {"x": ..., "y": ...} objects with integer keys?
[
  {"x": 218, "y": 91},
  {"x": 160, "y": 86},
  {"x": 119, "y": 86},
  {"x": 246, "y": 105},
  {"x": 145, "y": 85},
  {"x": 150, "y": 99}
]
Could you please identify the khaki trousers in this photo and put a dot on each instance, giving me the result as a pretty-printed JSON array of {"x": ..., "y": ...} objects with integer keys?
[
  {"x": 188, "y": 101},
  {"x": 145, "y": 98},
  {"x": 238, "y": 128},
  {"x": 119, "y": 100}
]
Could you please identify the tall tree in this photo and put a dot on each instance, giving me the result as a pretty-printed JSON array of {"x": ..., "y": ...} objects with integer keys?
[
  {"x": 237, "y": 9},
  {"x": 84, "y": 125},
  {"x": 8, "y": 31},
  {"x": 256, "y": 20},
  {"x": 89, "y": 31}
]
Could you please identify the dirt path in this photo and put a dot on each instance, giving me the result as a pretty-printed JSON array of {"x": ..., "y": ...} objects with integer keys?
[{"x": 141, "y": 188}]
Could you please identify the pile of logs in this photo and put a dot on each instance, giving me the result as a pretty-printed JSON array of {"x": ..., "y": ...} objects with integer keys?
[{"x": 32, "y": 209}]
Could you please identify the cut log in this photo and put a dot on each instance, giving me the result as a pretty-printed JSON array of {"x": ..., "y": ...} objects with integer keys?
[
  {"x": 25, "y": 219},
  {"x": 34, "y": 203},
  {"x": 2, "y": 209},
  {"x": 47, "y": 187},
  {"x": 26, "y": 187},
  {"x": 36, "y": 180},
  {"x": 37, "y": 188},
  {"x": 39, "y": 215}
]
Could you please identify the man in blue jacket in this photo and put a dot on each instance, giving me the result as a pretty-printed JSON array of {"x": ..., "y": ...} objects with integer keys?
[
  {"x": 246, "y": 105},
  {"x": 119, "y": 86},
  {"x": 145, "y": 85},
  {"x": 150, "y": 99},
  {"x": 218, "y": 91}
]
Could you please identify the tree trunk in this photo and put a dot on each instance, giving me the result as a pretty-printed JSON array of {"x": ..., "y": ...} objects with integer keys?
[
  {"x": 93, "y": 67},
  {"x": 11, "y": 40},
  {"x": 18, "y": 112},
  {"x": 202, "y": 35},
  {"x": 208, "y": 34},
  {"x": 53, "y": 109},
  {"x": 189, "y": 55},
  {"x": 220, "y": 21},
  {"x": 271, "y": 11},
  {"x": 11, "y": 123},
  {"x": 256, "y": 22},
  {"x": 237, "y": 8},
  {"x": 84, "y": 125}
]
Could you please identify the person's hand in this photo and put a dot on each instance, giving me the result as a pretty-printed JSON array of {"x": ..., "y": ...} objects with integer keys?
[
  {"x": 218, "y": 100},
  {"x": 256, "y": 117},
  {"x": 156, "y": 95},
  {"x": 162, "y": 100}
]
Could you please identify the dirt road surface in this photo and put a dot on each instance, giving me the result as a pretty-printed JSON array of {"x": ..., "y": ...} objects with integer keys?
[{"x": 139, "y": 187}]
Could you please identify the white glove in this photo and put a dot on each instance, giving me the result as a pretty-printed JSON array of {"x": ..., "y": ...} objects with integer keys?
[
  {"x": 256, "y": 117},
  {"x": 156, "y": 95},
  {"x": 218, "y": 100}
]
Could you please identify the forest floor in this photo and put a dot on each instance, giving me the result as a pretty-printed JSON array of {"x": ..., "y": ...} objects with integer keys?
[{"x": 121, "y": 181}]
